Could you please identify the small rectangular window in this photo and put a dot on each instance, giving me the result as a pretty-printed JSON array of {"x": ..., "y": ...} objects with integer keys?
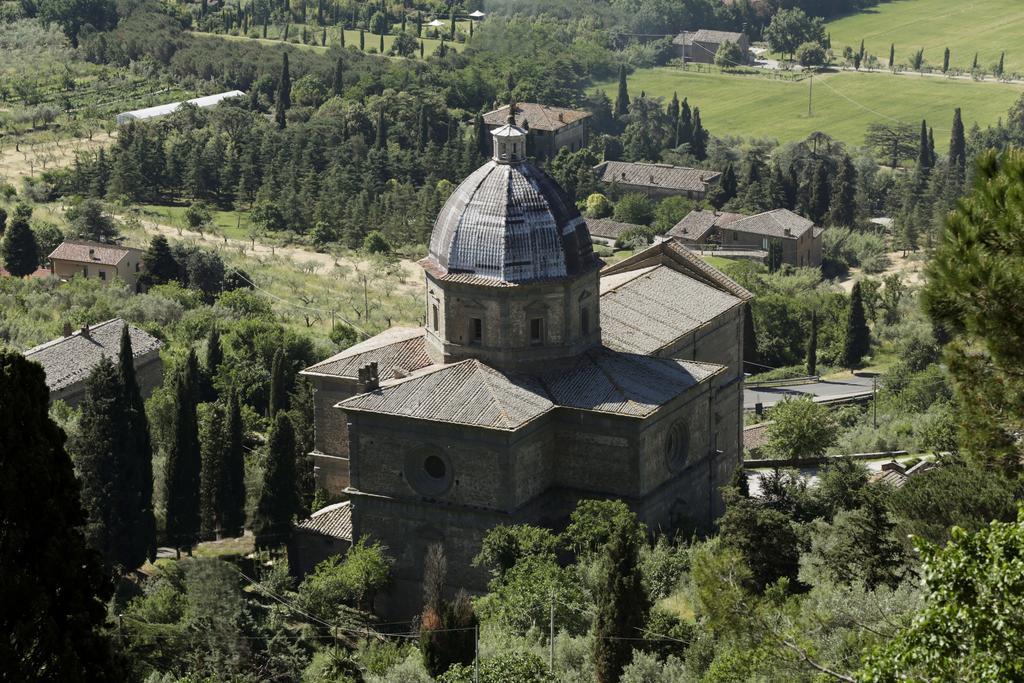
[
  {"x": 85, "y": 271},
  {"x": 478, "y": 330},
  {"x": 537, "y": 330},
  {"x": 103, "y": 275},
  {"x": 435, "y": 317},
  {"x": 585, "y": 320}
]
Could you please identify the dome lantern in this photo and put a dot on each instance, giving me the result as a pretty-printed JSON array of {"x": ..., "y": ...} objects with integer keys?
[{"x": 509, "y": 141}]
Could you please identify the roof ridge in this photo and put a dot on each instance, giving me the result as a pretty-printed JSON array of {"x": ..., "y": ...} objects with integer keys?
[
  {"x": 74, "y": 334},
  {"x": 485, "y": 379},
  {"x": 600, "y": 368}
]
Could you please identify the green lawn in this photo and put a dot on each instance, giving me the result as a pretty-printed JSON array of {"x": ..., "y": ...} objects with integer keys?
[
  {"x": 843, "y": 103},
  {"x": 987, "y": 27},
  {"x": 232, "y": 224}
]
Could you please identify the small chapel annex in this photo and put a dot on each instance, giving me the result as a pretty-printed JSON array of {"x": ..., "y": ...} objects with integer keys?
[{"x": 539, "y": 379}]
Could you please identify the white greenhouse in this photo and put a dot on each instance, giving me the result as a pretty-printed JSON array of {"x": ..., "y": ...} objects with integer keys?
[{"x": 165, "y": 109}]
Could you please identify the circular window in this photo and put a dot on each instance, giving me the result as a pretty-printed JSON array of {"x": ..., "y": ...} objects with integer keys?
[
  {"x": 434, "y": 467},
  {"x": 677, "y": 446},
  {"x": 428, "y": 471}
]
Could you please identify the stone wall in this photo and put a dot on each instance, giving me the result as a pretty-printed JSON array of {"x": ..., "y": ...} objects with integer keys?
[
  {"x": 149, "y": 373},
  {"x": 307, "y": 549}
]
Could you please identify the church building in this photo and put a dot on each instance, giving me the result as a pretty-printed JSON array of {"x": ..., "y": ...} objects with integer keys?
[{"x": 540, "y": 378}]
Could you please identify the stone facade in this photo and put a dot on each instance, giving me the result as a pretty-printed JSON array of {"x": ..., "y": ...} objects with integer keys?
[
  {"x": 549, "y": 128},
  {"x": 512, "y": 404}
]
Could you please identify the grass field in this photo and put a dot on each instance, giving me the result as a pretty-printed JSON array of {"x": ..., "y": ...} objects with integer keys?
[
  {"x": 843, "y": 103},
  {"x": 987, "y": 27}
]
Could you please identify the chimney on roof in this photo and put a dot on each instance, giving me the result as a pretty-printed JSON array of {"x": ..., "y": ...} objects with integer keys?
[
  {"x": 85, "y": 330},
  {"x": 561, "y": 117},
  {"x": 369, "y": 379},
  {"x": 67, "y": 329},
  {"x": 787, "y": 232}
]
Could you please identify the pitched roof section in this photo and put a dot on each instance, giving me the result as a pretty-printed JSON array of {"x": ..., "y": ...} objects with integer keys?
[
  {"x": 510, "y": 223},
  {"x": 627, "y": 384},
  {"x": 67, "y": 360},
  {"x": 677, "y": 256},
  {"x": 658, "y": 176},
  {"x": 400, "y": 348},
  {"x": 334, "y": 521},
  {"x": 781, "y": 223},
  {"x": 652, "y": 310},
  {"x": 608, "y": 228},
  {"x": 84, "y": 251},
  {"x": 696, "y": 225},
  {"x": 467, "y": 392},
  {"x": 537, "y": 116},
  {"x": 706, "y": 36}
]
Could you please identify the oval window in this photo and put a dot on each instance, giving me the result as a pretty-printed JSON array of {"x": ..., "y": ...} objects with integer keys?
[
  {"x": 434, "y": 467},
  {"x": 428, "y": 471},
  {"x": 677, "y": 446}
]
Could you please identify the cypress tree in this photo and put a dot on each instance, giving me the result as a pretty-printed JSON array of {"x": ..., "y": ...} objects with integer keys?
[
  {"x": 403, "y": 21},
  {"x": 424, "y": 125},
  {"x": 104, "y": 460},
  {"x": 184, "y": 461},
  {"x": 726, "y": 189},
  {"x": 974, "y": 64},
  {"x": 3, "y": 221},
  {"x": 673, "y": 109},
  {"x": 161, "y": 266},
  {"x": 957, "y": 144},
  {"x": 214, "y": 357},
  {"x": 382, "y": 130},
  {"x": 892, "y": 55},
  {"x": 924, "y": 154},
  {"x": 278, "y": 502},
  {"x": 285, "y": 83},
  {"x": 421, "y": 49},
  {"x": 54, "y": 592},
  {"x": 19, "y": 249},
  {"x": 480, "y": 134},
  {"x": 419, "y": 28},
  {"x": 203, "y": 8},
  {"x": 341, "y": 36},
  {"x": 323, "y": 37},
  {"x": 858, "y": 336},
  {"x": 931, "y": 147},
  {"x": 453, "y": 21},
  {"x": 699, "y": 137},
  {"x": 812, "y": 346},
  {"x": 622, "y": 99},
  {"x": 338, "y": 84},
  {"x": 278, "y": 395},
  {"x": 684, "y": 130},
  {"x": 861, "y": 52},
  {"x": 999, "y": 66},
  {"x": 265, "y": 22},
  {"x": 212, "y": 451},
  {"x": 945, "y": 60},
  {"x": 362, "y": 40},
  {"x": 819, "y": 196},
  {"x": 843, "y": 202},
  {"x": 382, "y": 43},
  {"x": 142, "y": 455},
  {"x": 622, "y": 604},
  {"x": 231, "y": 489}
]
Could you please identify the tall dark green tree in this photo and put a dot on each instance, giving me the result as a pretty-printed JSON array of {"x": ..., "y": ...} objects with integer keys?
[
  {"x": 817, "y": 192},
  {"x": 622, "y": 99},
  {"x": 382, "y": 130},
  {"x": 999, "y": 66},
  {"x": 699, "y": 137},
  {"x": 843, "y": 202},
  {"x": 673, "y": 108},
  {"x": 214, "y": 357},
  {"x": 141, "y": 463},
  {"x": 957, "y": 143},
  {"x": 362, "y": 41},
  {"x": 424, "y": 127},
  {"x": 892, "y": 55},
  {"x": 945, "y": 60},
  {"x": 726, "y": 188},
  {"x": 213, "y": 451},
  {"x": 924, "y": 153},
  {"x": 480, "y": 135},
  {"x": 54, "y": 591},
  {"x": 104, "y": 460},
  {"x": 18, "y": 249},
  {"x": 622, "y": 605},
  {"x": 858, "y": 336},
  {"x": 184, "y": 461},
  {"x": 338, "y": 82},
  {"x": 812, "y": 346},
  {"x": 231, "y": 489},
  {"x": 684, "y": 128},
  {"x": 278, "y": 395},
  {"x": 283, "y": 96},
  {"x": 278, "y": 502}
]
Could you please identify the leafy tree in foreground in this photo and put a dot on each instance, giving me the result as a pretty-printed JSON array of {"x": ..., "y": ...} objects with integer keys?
[
  {"x": 278, "y": 502},
  {"x": 622, "y": 605},
  {"x": 278, "y": 390},
  {"x": 972, "y": 625},
  {"x": 800, "y": 428},
  {"x": 89, "y": 222},
  {"x": 161, "y": 266},
  {"x": 972, "y": 292},
  {"x": 212, "y": 448},
  {"x": 54, "y": 589},
  {"x": 18, "y": 249}
]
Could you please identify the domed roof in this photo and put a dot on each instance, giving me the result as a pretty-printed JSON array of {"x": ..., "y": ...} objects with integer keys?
[{"x": 510, "y": 222}]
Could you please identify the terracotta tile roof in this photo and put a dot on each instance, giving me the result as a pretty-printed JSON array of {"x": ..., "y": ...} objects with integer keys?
[
  {"x": 608, "y": 381},
  {"x": 67, "y": 360},
  {"x": 84, "y": 251},
  {"x": 334, "y": 521},
  {"x": 537, "y": 116},
  {"x": 655, "y": 307},
  {"x": 698, "y": 223},
  {"x": 468, "y": 392},
  {"x": 658, "y": 176},
  {"x": 399, "y": 348},
  {"x": 608, "y": 228},
  {"x": 776, "y": 223}
]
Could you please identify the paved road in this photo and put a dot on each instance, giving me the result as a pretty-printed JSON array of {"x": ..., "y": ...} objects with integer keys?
[{"x": 824, "y": 390}]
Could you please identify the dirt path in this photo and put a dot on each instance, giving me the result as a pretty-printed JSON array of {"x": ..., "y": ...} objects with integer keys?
[
  {"x": 27, "y": 158},
  {"x": 411, "y": 280},
  {"x": 910, "y": 268}
]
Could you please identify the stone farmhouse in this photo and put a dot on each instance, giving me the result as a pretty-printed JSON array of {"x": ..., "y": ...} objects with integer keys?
[
  {"x": 538, "y": 380},
  {"x": 701, "y": 46},
  {"x": 69, "y": 359},
  {"x": 549, "y": 128},
  {"x": 97, "y": 260},
  {"x": 798, "y": 239},
  {"x": 657, "y": 180},
  {"x": 606, "y": 231}
]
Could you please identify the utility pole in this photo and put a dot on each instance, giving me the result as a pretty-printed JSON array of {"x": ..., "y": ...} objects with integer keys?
[
  {"x": 551, "y": 636},
  {"x": 810, "y": 93}
]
